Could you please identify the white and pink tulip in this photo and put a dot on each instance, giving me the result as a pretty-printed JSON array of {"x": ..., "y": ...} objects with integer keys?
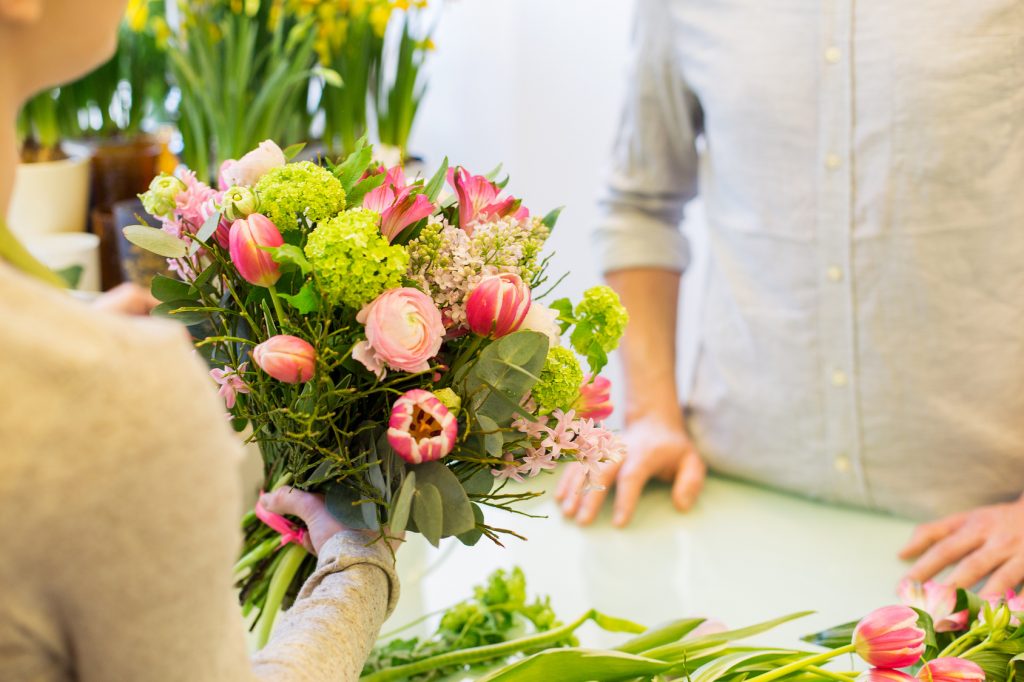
[
  {"x": 889, "y": 637},
  {"x": 498, "y": 305},
  {"x": 421, "y": 428}
]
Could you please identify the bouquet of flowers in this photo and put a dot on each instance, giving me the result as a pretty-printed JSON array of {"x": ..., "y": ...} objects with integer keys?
[{"x": 387, "y": 346}]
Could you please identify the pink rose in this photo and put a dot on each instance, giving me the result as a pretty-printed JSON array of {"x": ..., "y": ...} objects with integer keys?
[
  {"x": 403, "y": 331},
  {"x": 246, "y": 171}
]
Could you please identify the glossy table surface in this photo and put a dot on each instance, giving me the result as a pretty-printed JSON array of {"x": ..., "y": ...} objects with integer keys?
[{"x": 744, "y": 555}]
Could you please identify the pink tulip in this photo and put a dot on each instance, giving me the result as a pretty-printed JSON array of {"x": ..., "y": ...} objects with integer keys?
[
  {"x": 498, "y": 305},
  {"x": 884, "y": 675},
  {"x": 245, "y": 240},
  {"x": 889, "y": 637},
  {"x": 286, "y": 358},
  {"x": 404, "y": 331},
  {"x": 421, "y": 428},
  {"x": 478, "y": 199},
  {"x": 937, "y": 600},
  {"x": 951, "y": 670},
  {"x": 595, "y": 401}
]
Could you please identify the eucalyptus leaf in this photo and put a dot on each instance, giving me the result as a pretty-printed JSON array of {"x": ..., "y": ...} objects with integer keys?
[
  {"x": 509, "y": 366},
  {"x": 346, "y": 505},
  {"x": 205, "y": 232},
  {"x": 480, "y": 483},
  {"x": 168, "y": 289},
  {"x": 473, "y": 536},
  {"x": 456, "y": 507},
  {"x": 402, "y": 506},
  {"x": 494, "y": 440},
  {"x": 155, "y": 241},
  {"x": 427, "y": 512},
  {"x": 173, "y": 310}
]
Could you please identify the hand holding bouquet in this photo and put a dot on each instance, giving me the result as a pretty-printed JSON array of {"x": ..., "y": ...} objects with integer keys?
[{"x": 387, "y": 347}]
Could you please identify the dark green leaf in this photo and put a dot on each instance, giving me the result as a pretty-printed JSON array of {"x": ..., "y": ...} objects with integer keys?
[
  {"x": 306, "y": 301},
  {"x": 551, "y": 218},
  {"x": 494, "y": 440},
  {"x": 473, "y": 536},
  {"x": 399, "y": 518},
  {"x": 169, "y": 289},
  {"x": 833, "y": 638},
  {"x": 155, "y": 241},
  {"x": 456, "y": 508},
  {"x": 480, "y": 483},
  {"x": 292, "y": 150},
  {"x": 510, "y": 367},
  {"x": 427, "y": 512},
  {"x": 171, "y": 309},
  {"x": 969, "y": 601},
  {"x": 436, "y": 183},
  {"x": 347, "y": 506}
]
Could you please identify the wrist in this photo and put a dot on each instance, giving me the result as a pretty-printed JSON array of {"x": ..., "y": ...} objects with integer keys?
[{"x": 667, "y": 412}]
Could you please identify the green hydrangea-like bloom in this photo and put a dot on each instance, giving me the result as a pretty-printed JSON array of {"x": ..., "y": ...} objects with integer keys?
[
  {"x": 295, "y": 189},
  {"x": 559, "y": 384},
  {"x": 601, "y": 310},
  {"x": 354, "y": 263}
]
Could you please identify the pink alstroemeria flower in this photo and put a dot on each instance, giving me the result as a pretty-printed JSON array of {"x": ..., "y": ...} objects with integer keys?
[
  {"x": 889, "y": 637},
  {"x": 478, "y": 199},
  {"x": 230, "y": 382},
  {"x": 421, "y": 428},
  {"x": 397, "y": 205},
  {"x": 935, "y": 599},
  {"x": 595, "y": 401}
]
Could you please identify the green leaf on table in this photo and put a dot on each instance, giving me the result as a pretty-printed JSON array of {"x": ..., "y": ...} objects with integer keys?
[
  {"x": 731, "y": 663},
  {"x": 552, "y": 217},
  {"x": 457, "y": 511},
  {"x": 290, "y": 254},
  {"x": 613, "y": 624},
  {"x": 306, "y": 301},
  {"x": 661, "y": 635},
  {"x": 400, "y": 510},
  {"x": 71, "y": 275},
  {"x": 170, "y": 289},
  {"x": 155, "y": 241},
  {"x": 347, "y": 505},
  {"x": 436, "y": 183},
  {"x": 205, "y": 232},
  {"x": 293, "y": 150},
  {"x": 504, "y": 373},
  {"x": 690, "y": 647},
  {"x": 177, "y": 310},
  {"x": 353, "y": 167},
  {"x": 427, "y": 512},
  {"x": 833, "y": 637},
  {"x": 578, "y": 665}
]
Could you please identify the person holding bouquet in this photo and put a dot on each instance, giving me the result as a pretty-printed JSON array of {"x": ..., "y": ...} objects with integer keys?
[
  {"x": 121, "y": 485},
  {"x": 861, "y": 169}
]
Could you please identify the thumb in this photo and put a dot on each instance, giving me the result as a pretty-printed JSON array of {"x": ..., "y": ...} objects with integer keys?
[
  {"x": 288, "y": 500},
  {"x": 688, "y": 482}
]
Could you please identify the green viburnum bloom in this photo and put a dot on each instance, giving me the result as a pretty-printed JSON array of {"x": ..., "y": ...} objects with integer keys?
[
  {"x": 602, "y": 312},
  {"x": 302, "y": 188},
  {"x": 353, "y": 262},
  {"x": 559, "y": 384}
]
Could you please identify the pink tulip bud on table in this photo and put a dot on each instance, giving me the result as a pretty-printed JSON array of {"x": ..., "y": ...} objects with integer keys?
[
  {"x": 889, "y": 637},
  {"x": 286, "y": 358}
]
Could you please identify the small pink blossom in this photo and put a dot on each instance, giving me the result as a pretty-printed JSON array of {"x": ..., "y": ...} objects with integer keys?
[
  {"x": 534, "y": 429},
  {"x": 537, "y": 460},
  {"x": 509, "y": 471},
  {"x": 230, "y": 382},
  {"x": 560, "y": 436},
  {"x": 196, "y": 203}
]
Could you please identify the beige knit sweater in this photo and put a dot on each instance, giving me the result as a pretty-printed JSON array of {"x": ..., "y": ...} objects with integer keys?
[{"x": 119, "y": 493}]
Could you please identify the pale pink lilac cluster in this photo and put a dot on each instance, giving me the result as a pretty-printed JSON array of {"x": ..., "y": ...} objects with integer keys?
[{"x": 563, "y": 434}]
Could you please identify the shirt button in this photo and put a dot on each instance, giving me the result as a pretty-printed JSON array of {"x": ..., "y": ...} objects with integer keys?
[
  {"x": 834, "y": 273},
  {"x": 839, "y": 378},
  {"x": 832, "y": 161},
  {"x": 842, "y": 464},
  {"x": 832, "y": 55}
]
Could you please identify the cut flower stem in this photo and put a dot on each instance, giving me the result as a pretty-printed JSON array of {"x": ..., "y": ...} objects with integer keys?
[{"x": 803, "y": 664}]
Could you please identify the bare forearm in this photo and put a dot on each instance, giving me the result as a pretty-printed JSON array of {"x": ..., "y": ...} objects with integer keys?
[{"x": 649, "y": 346}]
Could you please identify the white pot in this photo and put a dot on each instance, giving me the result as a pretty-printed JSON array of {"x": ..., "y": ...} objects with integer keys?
[
  {"x": 50, "y": 197},
  {"x": 60, "y": 251}
]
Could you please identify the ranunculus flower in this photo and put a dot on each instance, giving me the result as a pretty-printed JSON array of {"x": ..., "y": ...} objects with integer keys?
[
  {"x": 498, "y": 305},
  {"x": 403, "y": 331},
  {"x": 937, "y": 600},
  {"x": 540, "y": 318},
  {"x": 595, "y": 401},
  {"x": 421, "y": 428},
  {"x": 247, "y": 170},
  {"x": 951, "y": 670},
  {"x": 884, "y": 675},
  {"x": 244, "y": 244},
  {"x": 889, "y": 637},
  {"x": 286, "y": 358}
]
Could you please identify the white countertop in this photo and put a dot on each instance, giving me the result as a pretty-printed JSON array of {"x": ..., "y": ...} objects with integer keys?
[{"x": 744, "y": 555}]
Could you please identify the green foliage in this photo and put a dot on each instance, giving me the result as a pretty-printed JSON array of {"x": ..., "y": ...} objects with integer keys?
[
  {"x": 504, "y": 373},
  {"x": 155, "y": 241}
]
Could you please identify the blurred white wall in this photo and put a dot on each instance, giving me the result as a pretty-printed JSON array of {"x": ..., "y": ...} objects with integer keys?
[{"x": 537, "y": 85}]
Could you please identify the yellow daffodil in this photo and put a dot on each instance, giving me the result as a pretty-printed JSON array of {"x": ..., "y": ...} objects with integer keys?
[{"x": 137, "y": 14}]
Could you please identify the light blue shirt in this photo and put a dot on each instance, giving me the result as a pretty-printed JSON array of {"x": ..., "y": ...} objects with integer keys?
[{"x": 862, "y": 169}]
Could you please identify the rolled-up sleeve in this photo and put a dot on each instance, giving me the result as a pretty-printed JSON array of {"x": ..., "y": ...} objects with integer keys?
[{"x": 654, "y": 160}]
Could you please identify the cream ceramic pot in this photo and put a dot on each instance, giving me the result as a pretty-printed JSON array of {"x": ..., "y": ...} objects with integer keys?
[{"x": 50, "y": 197}]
